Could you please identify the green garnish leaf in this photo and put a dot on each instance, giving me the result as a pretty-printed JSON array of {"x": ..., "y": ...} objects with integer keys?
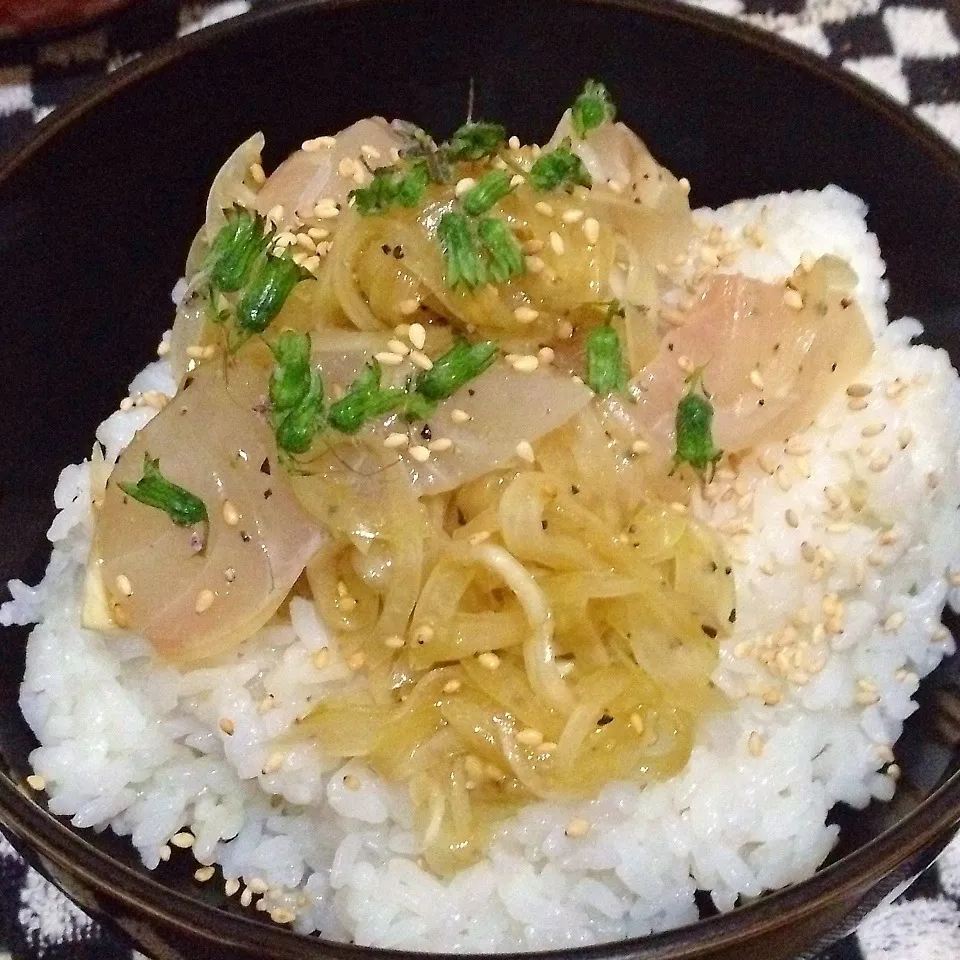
[
  {"x": 236, "y": 246},
  {"x": 474, "y": 141},
  {"x": 491, "y": 189},
  {"x": 461, "y": 252},
  {"x": 266, "y": 293},
  {"x": 415, "y": 406},
  {"x": 390, "y": 185},
  {"x": 694, "y": 428},
  {"x": 592, "y": 108},
  {"x": 503, "y": 253},
  {"x": 455, "y": 368},
  {"x": 606, "y": 372},
  {"x": 155, "y": 490},
  {"x": 560, "y": 167},
  {"x": 365, "y": 400}
]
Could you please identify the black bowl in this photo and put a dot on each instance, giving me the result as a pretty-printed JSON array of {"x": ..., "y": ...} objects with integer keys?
[{"x": 97, "y": 210}]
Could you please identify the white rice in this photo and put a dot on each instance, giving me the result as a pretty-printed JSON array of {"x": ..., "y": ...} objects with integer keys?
[{"x": 136, "y": 747}]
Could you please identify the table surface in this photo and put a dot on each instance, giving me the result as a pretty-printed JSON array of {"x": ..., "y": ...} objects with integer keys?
[{"x": 911, "y": 49}]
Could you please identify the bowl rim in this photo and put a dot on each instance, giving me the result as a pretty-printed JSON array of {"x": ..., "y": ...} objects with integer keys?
[{"x": 141, "y": 895}]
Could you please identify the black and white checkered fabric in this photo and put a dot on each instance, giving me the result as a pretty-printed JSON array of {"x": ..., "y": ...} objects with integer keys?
[{"x": 910, "y": 49}]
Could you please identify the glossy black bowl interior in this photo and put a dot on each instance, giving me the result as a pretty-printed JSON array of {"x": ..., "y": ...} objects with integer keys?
[{"x": 97, "y": 211}]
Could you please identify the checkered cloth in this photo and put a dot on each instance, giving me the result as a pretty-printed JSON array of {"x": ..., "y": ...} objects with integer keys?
[{"x": 910, "y": 49}]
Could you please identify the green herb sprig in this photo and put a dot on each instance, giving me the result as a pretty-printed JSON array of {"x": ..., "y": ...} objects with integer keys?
[
  {"x": 606, "y": 371},
  {"x": 403, "y": 186},
  {"x": 455, "y": 369},
  {"x": 364, "y": 401},
  {"x": 155, "y": 490},
  {"x": 694, "y": 427},
  {"x": 266, "y": 292},
  {"x": 296, "y": 393},
  {"x": 558, "y": 169},
  {"x": 475, "y": 141},
  {"x": 504, "y": 258},
  {"x": 491, "y": 189},
  {"x": 592, "y": 108},
  {"x": 235, "y": 248}
]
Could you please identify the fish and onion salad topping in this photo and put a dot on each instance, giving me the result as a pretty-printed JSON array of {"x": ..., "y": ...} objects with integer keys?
[{"x": 455, "y": 394}]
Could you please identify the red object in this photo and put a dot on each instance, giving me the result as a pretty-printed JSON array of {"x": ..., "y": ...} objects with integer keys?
[{"x": 22, "y": 16}]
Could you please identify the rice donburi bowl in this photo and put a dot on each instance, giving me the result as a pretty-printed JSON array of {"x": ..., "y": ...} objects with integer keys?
[{"x": 488, "y": 521}]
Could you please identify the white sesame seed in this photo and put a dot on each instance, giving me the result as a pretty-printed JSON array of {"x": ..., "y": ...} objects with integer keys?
[
  {"x": 183, "y": 841},
  {"x": 533, "y": 246},
  {"x": 440, "y": 445},
  {"x": 282, "y": 915},
  {"x": 417, "y": 335},
  {"x": 123, "y": 585},
  {"x": 231, "y": 886},
  {"x": 526, "y": 314},
  {"x": 489, "y": 661},
  {"x": 556, "y": 243},
  {"x": 318, "y": 143},
  {"x": 517, "y": 180},
  {"x": 573, "y": 215},
  {"x": 257, "y": 174},
  {"x": 231, "y": 515},
  {"x": 274, "y": 762},
  {"x": 394, "y": 642},
  {"x": 530, "y": 737},
  {"x": 347, "y": 167},
  {"x": 859, "y": 389},
  {"x": 894, "y": 621},
  {"x": 534, "y": 264},
  {"x": 230, "y": 574},
  {"x": 460, "y": 416},
  {"x": 756, "y": 379},
  {"x": 797, "y": 447},
  {"x": 246, "y": 898},
  {"x": 791, "y": 517},
  {"x": 227, "y": 726},
  {"x": 525, "y": 451},
  {"x": 36, "y": 782},
  {"x": 421, "y": 360},
  {"x": 541, "y": 206},
  {"x": 304, "y": 240},
  {"x": 617, "y": 186},
  {"x": 684, "y": 184},
  {"x": 880, "y": 462},
  {"x": 467, "y": 183},
  {"x": 388, "y": 358},
  {"x": 793, "y": 299},
  {"x": 420, "y": 453},
  {"x": 755, "y": 744},
  {"x": 546, "y": 355},
  {"x": 326, "y": 210},
  {"x": 204, "y": 874},
  {"x": 857, "y": 403},
  {"x": 904, "y": 436},
  {"x": 321, "y": 658},
  {"x": 395, "y": 440},
  {"x": 398, "y": 347},
  {"x": 873, "y": 429},
  {"x": 275, "y": 213},
  {"x": 640, "y": 447},
  {"x": 783, "y": 479},
  {"x": 591, "y": 230},
  {"x": 205, "y": 600},
  {"x": 514, "y": 143},
  {"x": 351, "y": 782},
  {"x": 526, "y": 364},
  {"x": 166, "y": 853},
  {"x": 577, "y": 827}
]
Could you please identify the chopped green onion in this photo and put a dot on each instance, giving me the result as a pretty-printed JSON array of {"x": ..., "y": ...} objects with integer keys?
[
  {"x": 592, "y": 108},
  {"x": 236, "y": 246},
  {"x": 560, "y": 167},
  {"x": 457, "y": 367},
  {"x": 694, "y": 429},
  {"x": 264, "y": 296},
  {"x": 605, "y": 368},
  {"x": 390, "y": 185},
  {"x": 474, "y": 141},
  {"x": 365, "y": 400},
  {"x": 458, "y": 241},
  {"x": 154, "y": 490},
  {"x": 504, "y": 256},
  {"x": 490, "y": 190}
]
